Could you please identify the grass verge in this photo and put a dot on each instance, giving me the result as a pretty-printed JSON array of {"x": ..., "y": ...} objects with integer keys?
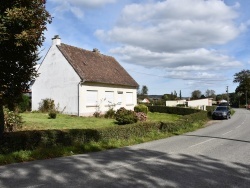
[{"x": 61, "y": 151}]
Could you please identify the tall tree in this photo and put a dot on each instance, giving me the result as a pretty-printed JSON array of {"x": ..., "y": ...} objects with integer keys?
[
  {"x": 144, "y": 90},
  {"x": 196, "y": 94},
  {"x": 243, "y": 89},
  {"x": 22, "y": 27},
  {"x": 180, "y": 95}
]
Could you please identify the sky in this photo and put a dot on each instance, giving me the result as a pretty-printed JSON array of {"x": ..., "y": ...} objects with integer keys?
[{"x": 166, "y": 45}]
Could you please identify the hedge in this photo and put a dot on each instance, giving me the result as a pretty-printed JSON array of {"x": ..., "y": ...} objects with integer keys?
[{"x": 173, "y": 110}]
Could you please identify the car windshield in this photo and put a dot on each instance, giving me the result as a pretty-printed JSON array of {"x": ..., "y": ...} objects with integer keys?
[{"x": 221, "y": 108}]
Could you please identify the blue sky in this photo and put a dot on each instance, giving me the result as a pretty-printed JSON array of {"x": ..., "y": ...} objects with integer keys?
[{"x": 167, "y": 45}]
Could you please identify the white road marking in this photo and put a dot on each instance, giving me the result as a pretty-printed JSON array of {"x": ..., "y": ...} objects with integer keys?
[
  {"x": 227, "y": 132},
  {"x": 238, "y": 126},
  {"x": 201, "y": 142}
]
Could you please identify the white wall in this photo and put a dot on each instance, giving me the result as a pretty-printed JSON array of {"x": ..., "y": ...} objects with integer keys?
[
  {"x": 58, "y": 81},
  {"x": 175, "y": 102},
  {"x": 200, "y": 104},
  {"x": 121, "y": 94}
]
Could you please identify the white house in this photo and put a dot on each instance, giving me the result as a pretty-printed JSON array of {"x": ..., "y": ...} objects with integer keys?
[
  {"x": 175, "y": 102},
  {"x": 82, "y": 82},
  {"x": 200, "y": 103}
]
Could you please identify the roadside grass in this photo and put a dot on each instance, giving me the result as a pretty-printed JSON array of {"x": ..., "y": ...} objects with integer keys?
[
  {"x": 63, "y": 151},
  {"x": 40, "y": 121}
]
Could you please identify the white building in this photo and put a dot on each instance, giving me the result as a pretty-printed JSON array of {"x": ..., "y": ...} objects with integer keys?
[
  {"x": 175, "y": 102},
  {"x": 200, "y": 103},
  {"x": 82, "y": 82}
]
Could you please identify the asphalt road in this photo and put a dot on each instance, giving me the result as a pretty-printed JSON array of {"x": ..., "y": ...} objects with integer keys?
[{"x": 215, "y": 156}]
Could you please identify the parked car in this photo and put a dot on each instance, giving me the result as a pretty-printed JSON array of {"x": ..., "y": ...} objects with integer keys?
[
  {"x": 224, "y": 104},
  {"x": 221, "y": 112}
]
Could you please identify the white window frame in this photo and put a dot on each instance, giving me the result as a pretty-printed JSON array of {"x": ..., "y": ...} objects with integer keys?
[
  {"x": 119, "y": 98},
  {"x": 129, "y": 98},
  {"x": 91, "y": 98},
  {"x": 109, "y": 98}
]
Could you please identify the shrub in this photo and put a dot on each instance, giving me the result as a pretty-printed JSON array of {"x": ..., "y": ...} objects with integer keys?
[
  {"x": 173, "y": 110},
  {"x": 12, "y": 120},
  {"x": 141, "y": 116},
  {"x": 110, "y": 113},
  {"x": 141, "y": 108},
  {"x": 25, "y": 104},
  {"x": 46, "y": 105},
  {"x": 97, "y": 114},
  {"x": 52, "y": 114},
  {"x": 124, "y": 116}
]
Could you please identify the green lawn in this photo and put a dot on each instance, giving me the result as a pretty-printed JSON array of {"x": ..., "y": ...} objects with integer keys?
[{"x": 40, "y": 121}]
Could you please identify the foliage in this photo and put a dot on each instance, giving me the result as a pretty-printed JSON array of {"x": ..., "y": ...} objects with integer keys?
[
  {"x": 52, "y": 114},
  {"x": 46, "y": 105},
  {"x": 196, "y": 94},
  {"x": 22, "y": 28},
  {"x": 170, "y": 97},
  {"x": 25, "y": 104},
  {"x": 210, "y": 94},
  {"x": 180, "y": 96},
  {"x": 172, "y": 110},
  {"x": 12, "y": 121},
  {"x": 124, "y": 116},
  {"x": 243, "y": 89},
  {"x": 41, "y": 139},
  {"x": 141, "y": 116},
  {"x": 144, "y": 90},
  {"x": 97, "y": 114},
  {"x": 110, "y": 113},
  {"x": 141, "y": 108}
]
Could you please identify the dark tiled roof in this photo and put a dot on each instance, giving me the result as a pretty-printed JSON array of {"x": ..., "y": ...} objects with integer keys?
[{"x": 95, "y": 67}]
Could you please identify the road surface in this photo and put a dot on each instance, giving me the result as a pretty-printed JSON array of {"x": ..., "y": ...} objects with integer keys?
[{"x": 215, "y": 156}]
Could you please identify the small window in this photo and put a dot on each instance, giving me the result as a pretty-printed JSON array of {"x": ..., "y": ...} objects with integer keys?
[
  {"x": 129, "y": 98},
  {"x": 120, "y": 98},
  {"x": 92, "y": 98},
  {"x": 109, "y": 97}
]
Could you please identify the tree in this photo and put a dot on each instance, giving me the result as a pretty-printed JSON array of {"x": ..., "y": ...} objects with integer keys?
[
  {"x": 210, "y": 93},
  {"x": 196, "y": 94},
  {"x": 144, "y": 90},
  {"x": 180, "y": 95},
  {"x": 243, "y": 89},
  {"x": 22, "y": 27},
  {"x": 165, "y": 97}
]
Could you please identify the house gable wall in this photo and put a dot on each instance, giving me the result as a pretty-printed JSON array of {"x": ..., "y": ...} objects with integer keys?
[{"x": 57, "y": 80}]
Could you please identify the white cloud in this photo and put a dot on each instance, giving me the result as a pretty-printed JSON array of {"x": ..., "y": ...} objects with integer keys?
[
  {"x": 77, "y": 7},
  {"x": 85, "y": 3},
  {"x": 196, "y": 59},
  {"x": 174, "y": 25},
  {"x": 177, "y": 36}
]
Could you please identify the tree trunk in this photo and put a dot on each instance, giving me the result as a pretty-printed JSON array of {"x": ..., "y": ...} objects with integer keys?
[{"x": 1, "y": 118}]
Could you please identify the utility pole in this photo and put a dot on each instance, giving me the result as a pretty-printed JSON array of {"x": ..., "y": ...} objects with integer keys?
[
  {"x": 227, "y": 95},
  {"x": 246, "y": 99}
]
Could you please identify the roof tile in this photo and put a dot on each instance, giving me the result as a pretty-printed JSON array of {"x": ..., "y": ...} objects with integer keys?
[{"x": 92, "y": 66}]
